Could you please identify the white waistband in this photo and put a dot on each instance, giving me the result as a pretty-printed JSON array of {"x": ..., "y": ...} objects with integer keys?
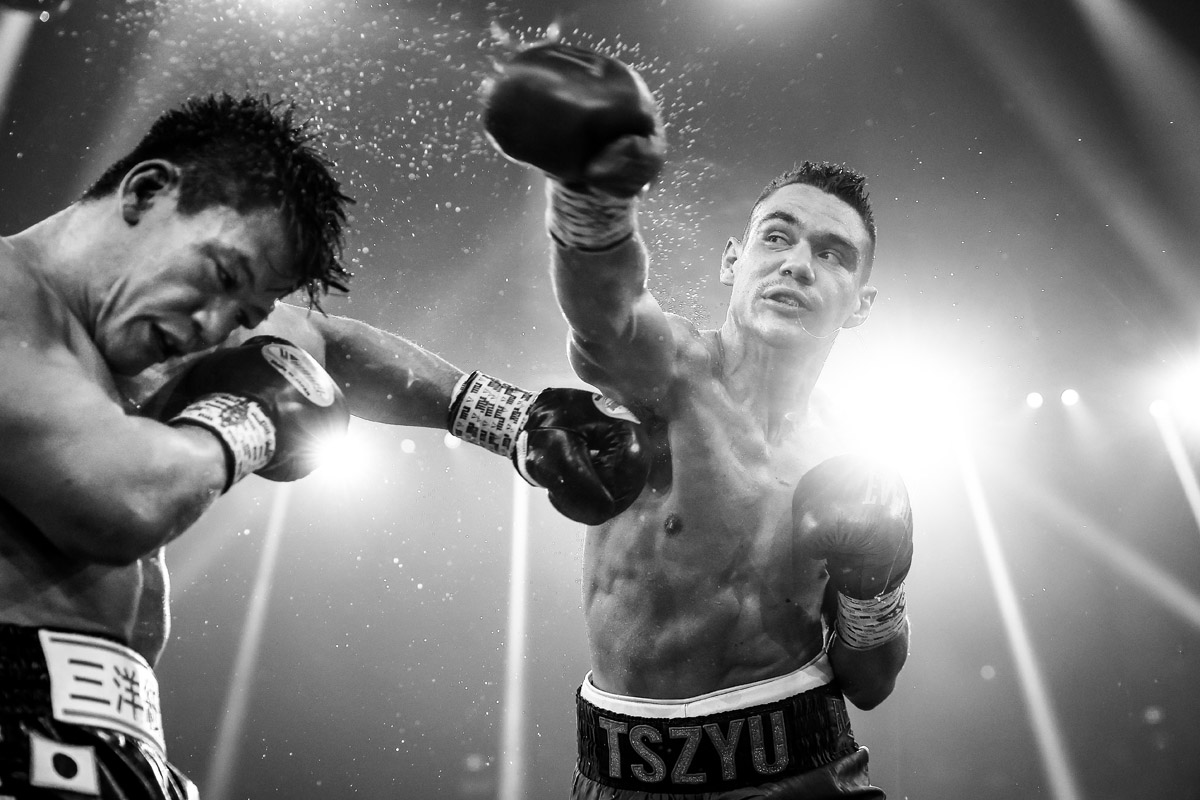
[
  {"x": 101, "y": 683},
  {"x": 813, "y": 674}
]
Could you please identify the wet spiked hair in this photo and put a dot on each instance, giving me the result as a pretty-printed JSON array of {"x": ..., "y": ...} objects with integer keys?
[
  {"x": 249, "y": 153},
  {"x": 839, "y": 181}
]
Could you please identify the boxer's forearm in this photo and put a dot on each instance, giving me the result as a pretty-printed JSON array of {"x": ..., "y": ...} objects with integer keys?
[
  {"x": 867, "y": 677},
  {"x": 385, "y": 377},
  {"x": 621, "y": 340}
]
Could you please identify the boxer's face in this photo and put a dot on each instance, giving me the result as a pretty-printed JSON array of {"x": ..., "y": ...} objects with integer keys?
[
  {"x": 800, "y": 273},
  {"x": 192, "y": 279}
]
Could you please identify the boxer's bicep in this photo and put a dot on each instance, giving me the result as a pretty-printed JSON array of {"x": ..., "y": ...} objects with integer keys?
[{"x": 99, "y": 484}]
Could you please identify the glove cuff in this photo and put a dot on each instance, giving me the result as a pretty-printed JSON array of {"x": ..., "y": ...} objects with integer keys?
[
  {"x": 863, "y": 624},
  {"x": 244, "y": 430},
  {"x": 587, "y": 219},
  {"x": 489, "y": 412}
]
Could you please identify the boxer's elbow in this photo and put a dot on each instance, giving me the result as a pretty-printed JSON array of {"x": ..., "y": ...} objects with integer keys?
[
  {"x": 121, "y": 530},
  {"x": 868, "y": 695},
  {"x": 118, "y": 516}
]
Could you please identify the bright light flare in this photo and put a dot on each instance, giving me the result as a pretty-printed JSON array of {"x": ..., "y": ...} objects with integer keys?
[
  {"x": 347, "y": 457},
  {"x": 1069, "y": 397},
  {"x": 1179, "y": 396},
  {"x": 1034, "y": 400},
  {"x": 905, "y": 403}
]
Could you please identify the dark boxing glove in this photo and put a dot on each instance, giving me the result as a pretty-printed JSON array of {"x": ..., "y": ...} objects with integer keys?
[
  {"x": 855, "y": 515},
  {"x": 268, "y": 402},
  {"x": 590, "y": 454},
  {"x": 586, "y": 119}
]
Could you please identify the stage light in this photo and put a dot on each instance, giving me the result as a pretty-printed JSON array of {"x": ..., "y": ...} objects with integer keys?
[
  {"x": 451, "y": 441},
  {"x": 408, "y": 446},
  {"x": 1034, "y": 400},
  {"x": 345, "y": 457},
  {"x": 906, "y": 403},
  {"x": 1179, "y": 396},
  {"x": 1069, "y": 397}
]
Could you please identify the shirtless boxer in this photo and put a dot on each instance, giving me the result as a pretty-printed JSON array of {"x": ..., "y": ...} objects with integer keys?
[
  {"x": 758, "y": 580},
  {"x": 122, "y": 418}
]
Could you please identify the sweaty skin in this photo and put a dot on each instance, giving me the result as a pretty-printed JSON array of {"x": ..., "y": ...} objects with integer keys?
[
  {"x": 698, "y": 586},
  {"x": 82, "y": 523}
]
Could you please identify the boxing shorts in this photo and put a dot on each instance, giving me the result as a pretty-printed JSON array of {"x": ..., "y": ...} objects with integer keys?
[
  {"x": 790, "y": 733},
  {"x": 79, "y": 717}
]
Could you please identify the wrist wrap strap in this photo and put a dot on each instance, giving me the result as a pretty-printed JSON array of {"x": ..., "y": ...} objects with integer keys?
[
  {"x": 489, "y": 412},
  {"x": 863, "y": 624},
  {"x": 240, "y": 424},
  {"x": 587, "y": 220}
]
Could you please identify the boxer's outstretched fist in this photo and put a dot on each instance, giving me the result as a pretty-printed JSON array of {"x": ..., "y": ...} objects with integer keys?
[
  {"x": 855, "y": 515},
  {"x": 591, "y": 455},
  {"x": 586, "y": 119},
  {"x": 267, "y": 401}
]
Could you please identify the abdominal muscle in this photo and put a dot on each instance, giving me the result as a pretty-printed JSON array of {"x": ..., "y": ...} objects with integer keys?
[
  {"x": 697, "y": 589},
  {"x": 41, "y": 588}
]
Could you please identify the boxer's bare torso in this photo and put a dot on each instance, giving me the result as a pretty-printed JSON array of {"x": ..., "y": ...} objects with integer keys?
[
  {"x": 697, "y": 587},
  {"x": 40, "y": 584}
]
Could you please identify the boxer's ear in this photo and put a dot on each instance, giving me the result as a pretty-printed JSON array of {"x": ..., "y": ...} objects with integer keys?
[
  {"x": 147, "y": 183},
  {"x": 732, "y": 252}
]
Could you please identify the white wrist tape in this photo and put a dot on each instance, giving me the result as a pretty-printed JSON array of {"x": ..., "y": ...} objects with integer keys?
[
  {"x": 587, "y": 220},
  {"x": 243, "y": 428},
  {"x": 489, "y": 412},
  {"x": 863, "y": 624}
]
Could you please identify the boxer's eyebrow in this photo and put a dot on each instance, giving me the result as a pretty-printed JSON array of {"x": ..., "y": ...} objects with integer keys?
[
  {"x": 832, "y": 237},
  {"x": 782, "y": 216}
]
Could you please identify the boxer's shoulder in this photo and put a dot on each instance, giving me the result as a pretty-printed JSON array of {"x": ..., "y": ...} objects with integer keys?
[{"x": 31, "y": 313}]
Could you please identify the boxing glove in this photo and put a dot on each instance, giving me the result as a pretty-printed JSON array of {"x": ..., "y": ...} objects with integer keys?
[
  {"x": 855, "y": 515},
  {"x": 268, "y": 402},
  {"x": 585, "y": 119},
  {"x": 591, "y": 455}
]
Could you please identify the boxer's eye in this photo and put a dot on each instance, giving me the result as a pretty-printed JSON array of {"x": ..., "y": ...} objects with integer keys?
[{"x": 225, "y": 278}]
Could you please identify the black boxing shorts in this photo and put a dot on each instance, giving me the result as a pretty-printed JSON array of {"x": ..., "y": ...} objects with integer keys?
[
  {"x": 789, "y": 735},
  {"x": 79, "y": 718}
]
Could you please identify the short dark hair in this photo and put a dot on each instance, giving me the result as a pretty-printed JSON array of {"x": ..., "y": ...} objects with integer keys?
[
  {"x": 249, "y": 153},
  {"x": 838, "y": 180}
]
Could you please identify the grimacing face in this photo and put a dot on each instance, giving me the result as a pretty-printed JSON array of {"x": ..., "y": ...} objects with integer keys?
[
  {"x": 800, "y": 273},
  {"x": 190, "y": 281}
]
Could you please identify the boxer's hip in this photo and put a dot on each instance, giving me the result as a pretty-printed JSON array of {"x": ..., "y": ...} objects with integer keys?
[
  {"x": 78, "y": 679},
  {"x": 744, "y": 736}
]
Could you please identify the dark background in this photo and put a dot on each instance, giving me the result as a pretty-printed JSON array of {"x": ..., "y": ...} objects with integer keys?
[{"x": 1035, "y": 169}]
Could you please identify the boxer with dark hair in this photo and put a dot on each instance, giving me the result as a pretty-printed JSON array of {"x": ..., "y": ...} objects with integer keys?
[
  {"x": 759, "y": 579},
  {"x": 127, "y": 407}
]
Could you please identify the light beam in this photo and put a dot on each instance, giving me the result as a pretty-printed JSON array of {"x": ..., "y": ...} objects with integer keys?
[
  {"x": 229, "y": 735},
  {"x": 512, "y": 736},
  {"x": 1156, "y": 582},
  {"x": 1179, "y": 457},
  {"x": 1046, "y": 728}
]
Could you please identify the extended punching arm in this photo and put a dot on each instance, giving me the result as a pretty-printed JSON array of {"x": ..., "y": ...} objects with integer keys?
[{"x": 590, "y": 454}]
